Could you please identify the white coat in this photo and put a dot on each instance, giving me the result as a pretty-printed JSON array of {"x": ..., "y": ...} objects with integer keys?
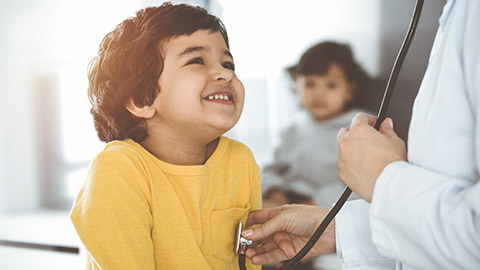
[{"x": 425, "y": 214}]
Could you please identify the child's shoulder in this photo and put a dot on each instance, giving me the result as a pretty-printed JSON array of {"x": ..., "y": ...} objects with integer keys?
[
  {"x": 121, "y": 151},
  {"x": 342, "y": 120},
  {"x": 238, "y": 153},
  {"x": 121, "y": 163},
  {"x": 124, "y": 146},
  {"x": 235, "y": 146},
  {"x": 347, "y": 116}
]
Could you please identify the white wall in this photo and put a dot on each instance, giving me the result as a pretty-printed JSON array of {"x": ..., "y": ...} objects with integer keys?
[
  {"x": 40, "y": 40},
  {"x": 18, "y": 155},
  {"x": 267, "y": 35}
]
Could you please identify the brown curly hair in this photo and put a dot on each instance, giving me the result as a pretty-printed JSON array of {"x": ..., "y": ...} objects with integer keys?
[
  {"x": 318, "y": 59},
  {"x": 129, "y": 64}
]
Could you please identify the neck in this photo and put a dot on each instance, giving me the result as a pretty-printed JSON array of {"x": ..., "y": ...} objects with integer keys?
[{"x": 179, "y": 152}]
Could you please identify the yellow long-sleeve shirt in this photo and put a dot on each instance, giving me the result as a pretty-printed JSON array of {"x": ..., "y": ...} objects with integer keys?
[{"x": 137, "y": 212}]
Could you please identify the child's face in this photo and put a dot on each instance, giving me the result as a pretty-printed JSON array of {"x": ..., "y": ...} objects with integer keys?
[
  {"x": 199, "y": 91},
  {"x": 324, "y": 96}
]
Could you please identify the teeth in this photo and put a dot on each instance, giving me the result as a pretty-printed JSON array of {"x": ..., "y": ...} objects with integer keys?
[{"x": 223, "y": 97}]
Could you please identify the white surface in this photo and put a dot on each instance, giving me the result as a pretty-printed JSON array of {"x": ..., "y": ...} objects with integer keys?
[
  {"x": 42, "y": 227},
  {"x": 22, "y": 259}
]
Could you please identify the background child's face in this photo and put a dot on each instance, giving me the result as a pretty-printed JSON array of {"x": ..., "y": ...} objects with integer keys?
[
  {"x": 199, "y": 91},
  {"x": 324, "y": 96}
]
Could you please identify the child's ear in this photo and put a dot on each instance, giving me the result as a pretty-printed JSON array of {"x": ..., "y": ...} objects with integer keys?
[{"x": 141, "y": 112}]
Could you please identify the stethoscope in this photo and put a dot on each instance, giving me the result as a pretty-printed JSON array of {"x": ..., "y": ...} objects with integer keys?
[{"x": 241, "y": 243}]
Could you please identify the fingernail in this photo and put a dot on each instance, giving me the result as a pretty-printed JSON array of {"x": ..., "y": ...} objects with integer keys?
[
  {"x": 390, "y": 122},
  {"x": 247, "y": 233}
]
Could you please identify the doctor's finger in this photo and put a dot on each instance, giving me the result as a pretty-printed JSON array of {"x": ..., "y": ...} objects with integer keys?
[
  {"x": 273, "y": 256},
  {"x": 261, "y": 249},
  {"x": 273, "y": 251},
  {"x": 261, "y": 216},
  {"x": 363, "y": 119},
  {"x": 265, "y": 247},
  {"x": 386, "y": 128},
  {"x": 265, "y": 230},
  {"x": 342, "y": 134}
]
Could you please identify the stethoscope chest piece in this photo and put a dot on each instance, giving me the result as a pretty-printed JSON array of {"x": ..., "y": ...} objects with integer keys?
[{"x": 240, "y": 242}]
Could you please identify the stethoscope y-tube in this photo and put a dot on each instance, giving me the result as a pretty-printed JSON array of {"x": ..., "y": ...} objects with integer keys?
[{"x": 380, "y": 117}]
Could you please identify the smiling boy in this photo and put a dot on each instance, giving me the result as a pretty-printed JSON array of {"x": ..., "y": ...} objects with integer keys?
[{"x": 168, "y": 189}]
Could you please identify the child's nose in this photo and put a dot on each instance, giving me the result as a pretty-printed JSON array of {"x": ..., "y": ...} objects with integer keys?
[
  {"x": 319, "y": 92},
  {"x": 220, "y": 73}
]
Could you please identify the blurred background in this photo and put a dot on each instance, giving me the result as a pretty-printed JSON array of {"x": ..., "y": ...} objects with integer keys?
[{"x": 47, "y": 137}]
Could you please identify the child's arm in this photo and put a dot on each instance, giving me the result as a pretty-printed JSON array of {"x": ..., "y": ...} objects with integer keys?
[{"x": 112, "y": 214}]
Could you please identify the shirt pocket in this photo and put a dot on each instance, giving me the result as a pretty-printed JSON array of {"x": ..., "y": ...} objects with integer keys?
[{"x": 224, "y": 224}]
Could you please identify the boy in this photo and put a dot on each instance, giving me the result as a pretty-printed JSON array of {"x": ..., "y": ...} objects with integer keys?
[{"x": 168, "y": 190}]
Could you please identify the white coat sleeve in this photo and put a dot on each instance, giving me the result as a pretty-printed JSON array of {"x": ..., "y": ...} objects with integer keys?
[
  {"x": 355, "y": 248},
  {"x": 425, "y": 219}
]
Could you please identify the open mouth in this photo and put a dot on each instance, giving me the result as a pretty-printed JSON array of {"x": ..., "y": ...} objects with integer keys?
[
  {"x": 225, "y": 98},
  {"x": 220, "y": 97}
]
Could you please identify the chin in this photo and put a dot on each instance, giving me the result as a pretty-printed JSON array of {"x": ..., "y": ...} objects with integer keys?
[
  {"x": 323, "y": 117},
  {"x": 225, "y": 126}
]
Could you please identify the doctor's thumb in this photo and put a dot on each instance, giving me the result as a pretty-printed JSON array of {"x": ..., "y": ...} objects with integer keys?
[
  {"x": 386, "y": 128},
  {"x": 260, "y": 232}
]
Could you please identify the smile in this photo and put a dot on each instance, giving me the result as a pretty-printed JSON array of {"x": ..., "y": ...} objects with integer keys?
[
  {"x": 223, "y": 97},
  {"x": 220, "y": 97}
]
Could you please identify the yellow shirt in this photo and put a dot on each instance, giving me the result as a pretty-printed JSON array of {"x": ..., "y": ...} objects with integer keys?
[{"x": 138, "y": 212}]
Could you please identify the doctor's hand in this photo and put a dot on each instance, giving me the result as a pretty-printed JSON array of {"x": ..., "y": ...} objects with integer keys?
[
  {"x": 284, "y": 231},
  {"x": 365, "y": 152}
]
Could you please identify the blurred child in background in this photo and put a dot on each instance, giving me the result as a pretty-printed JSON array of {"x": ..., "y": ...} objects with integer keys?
[{"x": 327, "y": 80}]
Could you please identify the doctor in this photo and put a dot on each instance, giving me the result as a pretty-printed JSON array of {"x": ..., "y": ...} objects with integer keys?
[{"x": 422, "y": 212}]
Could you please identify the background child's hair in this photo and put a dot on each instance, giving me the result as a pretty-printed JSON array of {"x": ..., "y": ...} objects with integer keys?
[
  {"x": 129, "y": 64},
  {"x": 318, "y": 59}
]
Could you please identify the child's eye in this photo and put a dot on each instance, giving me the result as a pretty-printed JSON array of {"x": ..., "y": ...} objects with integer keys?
[
  {"x": 331, "y": 85},
  {"x": 196, "y": 60},
  {"x": 229, "y": 65},
  {"x": 309, "y": 84}
]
